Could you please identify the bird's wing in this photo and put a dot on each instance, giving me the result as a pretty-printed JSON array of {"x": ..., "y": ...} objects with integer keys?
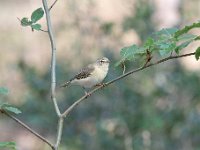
[{"x": 85, "y": 72}]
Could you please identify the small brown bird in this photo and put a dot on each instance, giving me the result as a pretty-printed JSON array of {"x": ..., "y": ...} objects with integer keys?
[{"x": 91, "y": 75}]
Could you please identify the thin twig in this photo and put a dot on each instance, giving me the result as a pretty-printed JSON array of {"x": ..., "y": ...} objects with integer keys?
[
  {"x": 69, "y": 109},
  {"x": 43, "y": 30},
  {"x": 52, "y": 4},
  {"x": 53, "y": 57},
  {"x": 28, "y": 128},
  {"x": 59, "y": 132},
  {"x": 124, "y": 68}
]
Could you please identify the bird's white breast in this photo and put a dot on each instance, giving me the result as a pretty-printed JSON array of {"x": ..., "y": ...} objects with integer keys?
[{"x": 96, "y": 77}]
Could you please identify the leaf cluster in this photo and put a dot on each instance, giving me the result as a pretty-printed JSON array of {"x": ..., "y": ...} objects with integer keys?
[
  {"x": 5, "y": 106},
  {"x": 9, "y": 108},
  {"x": 163, "y": 42},
  {"x": 10, "y": 145},
  {"x": 32, "y": 22}
]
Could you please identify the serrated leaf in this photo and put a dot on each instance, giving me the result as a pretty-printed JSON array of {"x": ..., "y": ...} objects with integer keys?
[
  {"x": 186, "y": 37},
  {"x": 164, "y": 52},
  {"x": 149, "y": 44},
  {"x": 3, "y": 90},
  {"x": 186, "y": 29},
  {"x": 37, "y": 15},
  {"x": 197, "y": 53},
  {"x": 182, "y": 45},
  {"x": 166, "y": 48},
  {"x": 10, "y": 108},
  {"x": 36, "y": 26},
  {"x": 11, "y": 145},
  {"x": 25, "y": 22},
  {"x": 130, "y": 53},
  {"x": 167, "y": 31}
]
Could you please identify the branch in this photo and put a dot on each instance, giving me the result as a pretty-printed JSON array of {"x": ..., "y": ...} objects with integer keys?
[
  {"x": 52, "y": 4},
  {"x": 59, "y": 132},
  {"x": 53, "y": 73},
  {"x": 43, "y": 30},
  {"x": 68, "y": 110},
  {"x": 53, "y": 57},
  {"x": 28, "y": 128}
]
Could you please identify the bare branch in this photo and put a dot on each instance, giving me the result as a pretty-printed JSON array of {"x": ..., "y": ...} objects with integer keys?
[
  {"x": 68, "y": 110},
  {"x": 43, "y": 30},
  {"x": 53, "y": 57},
  {"x": 52, "y": 4},
  {"x": 53, "y": 73},
  {"x": 59, "y": 132},
  {"x": 28, "y": 128}
]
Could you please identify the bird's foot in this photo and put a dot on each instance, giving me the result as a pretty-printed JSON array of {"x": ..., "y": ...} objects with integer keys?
[
  {"x": 87, "y": 94},
  {"x": 101, "y": 84}
]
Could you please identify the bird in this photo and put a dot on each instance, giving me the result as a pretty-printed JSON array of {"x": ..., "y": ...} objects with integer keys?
[{"x": 91, "y": 75}]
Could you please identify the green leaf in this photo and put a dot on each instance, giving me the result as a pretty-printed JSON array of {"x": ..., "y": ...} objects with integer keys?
[
  {"x": 11, "y": 145},
  {"x": 197, "y": 38},
  {"x": 37, "y": 15},
  {"x": 25, "y": 22},
  {"x": 149, "y": 44},
  {"x": 186, "y": 29},
  {"x": 3, "y": 90},
  {"x": 8, "y": 107},
  {"x": 197, "y": 53},
  {"x": 182, "y": 45},
  {"x": 186, "y": 37},
  {"x": 166, "y": 48},
  {"x": 119, "y": 62},
  {"x": 165, "y": 42},
  {"x": 167, "y": 31},
  {"x": 130, "y": 53},
  {"x": 36, "y": 26},
  {"x": 12, "y": 109}
]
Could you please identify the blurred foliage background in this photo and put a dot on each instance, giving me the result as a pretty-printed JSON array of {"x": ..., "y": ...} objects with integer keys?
[{"x": 157, "y": 108}]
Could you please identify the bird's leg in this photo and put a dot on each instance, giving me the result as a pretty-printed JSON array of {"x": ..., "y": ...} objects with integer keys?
[
  {"x": 86, "y": 93},
  {"x": 101, "y": 84}
]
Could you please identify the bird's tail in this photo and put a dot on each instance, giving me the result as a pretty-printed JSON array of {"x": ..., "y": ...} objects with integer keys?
[{"x": 65, "y": 84}]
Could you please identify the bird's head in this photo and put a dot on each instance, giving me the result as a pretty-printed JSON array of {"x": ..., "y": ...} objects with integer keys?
[{"x": 103, "y": 61}]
